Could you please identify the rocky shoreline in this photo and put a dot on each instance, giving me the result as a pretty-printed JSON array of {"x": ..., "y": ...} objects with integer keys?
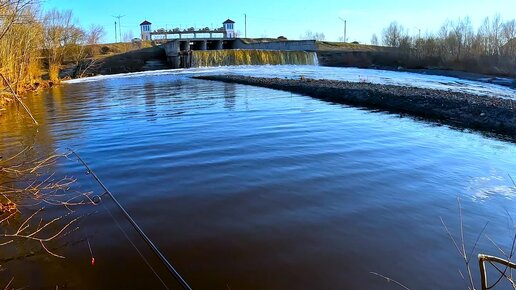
[{"x": 484, "y": 113}]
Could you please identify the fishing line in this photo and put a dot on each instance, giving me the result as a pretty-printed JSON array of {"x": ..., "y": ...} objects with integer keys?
[
  {"x": 163, "y": 259},
  {"x": 135, "y": 247}
]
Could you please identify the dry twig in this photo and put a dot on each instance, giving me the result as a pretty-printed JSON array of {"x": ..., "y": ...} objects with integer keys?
[
  {"x": 390, "y": 280},
  {"x": 460, "y": 246},
  {"x": 35, "y": 187}
]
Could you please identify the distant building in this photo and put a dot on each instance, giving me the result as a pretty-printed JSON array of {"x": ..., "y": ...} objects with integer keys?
[
  {"x": 145, "y": 28},
  {"x": 229, "y": 27}
]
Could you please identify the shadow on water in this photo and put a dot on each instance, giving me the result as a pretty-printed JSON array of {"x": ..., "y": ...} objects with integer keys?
[
  {"x": 251, "y": 188},
  {"x": 437, "y": 123},
  {"x": 229, "y": 97}
]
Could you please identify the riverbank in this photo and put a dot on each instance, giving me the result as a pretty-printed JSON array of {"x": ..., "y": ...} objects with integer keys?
[
  {"x": 132, "y": 57},
  {"x": 484, "y": 113},
  {"x": 119, "y": 59},
  {"x": 500, "y": 80},
  {"x": 487, "y": 69}
]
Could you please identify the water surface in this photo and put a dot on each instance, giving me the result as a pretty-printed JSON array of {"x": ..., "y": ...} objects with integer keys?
[
  {"x": 343, "y": 74},
  {"x": 251, "y": 188}
]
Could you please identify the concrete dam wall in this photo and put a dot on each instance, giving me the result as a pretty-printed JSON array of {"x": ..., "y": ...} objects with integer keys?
[
  {"x": 289, "y": 45},
  {"x": 360, "y": 58},
  {"x": 183, "y": 53},
  {"x": 251, "y": 57}
]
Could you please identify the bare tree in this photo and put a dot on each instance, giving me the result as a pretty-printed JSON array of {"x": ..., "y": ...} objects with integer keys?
[
  {"x": 490, "y": 35},
  {"x": 509, "y": 30},
  {"x": 490, "y": 49},
  {"x": 459, "y": 37},
  {"x": 128, "y": 36},
  {"x": 393, "y": 34},
  {"x": 60, "y": 32},
  {"x": 13, "y": 11},
  {"x": 374, "y": 39},
  {"x": 313, "y": 36},
  {"x": 496, "y": 33},
  {"x": 509, "y": 38},
  {"x": 95, "y": 34},
  {"x": 19, "y": 44}
]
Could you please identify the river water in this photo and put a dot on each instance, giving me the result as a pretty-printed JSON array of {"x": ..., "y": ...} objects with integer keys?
[{"x": 251, "y": 188}]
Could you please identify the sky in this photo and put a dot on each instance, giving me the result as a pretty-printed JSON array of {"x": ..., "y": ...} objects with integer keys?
[{"x": 289, "y": 18}]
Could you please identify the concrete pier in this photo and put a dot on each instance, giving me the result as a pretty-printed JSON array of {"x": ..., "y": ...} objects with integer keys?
[{"x": 178, "y": 50}]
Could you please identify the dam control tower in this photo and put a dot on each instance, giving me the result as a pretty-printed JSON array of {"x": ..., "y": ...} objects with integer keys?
[
  {"x": 229, "y": 28},
  {"x": 145, "y": 28}
]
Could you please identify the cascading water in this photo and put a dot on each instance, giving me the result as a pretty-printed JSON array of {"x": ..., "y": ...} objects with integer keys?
[{"x": 211, "y": 58}]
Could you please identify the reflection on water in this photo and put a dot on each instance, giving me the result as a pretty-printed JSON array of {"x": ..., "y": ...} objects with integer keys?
[
  {"x": 484, "y": 187},
  {"x": 251, "y": 188},
  {"x": 229, "y": 96}
]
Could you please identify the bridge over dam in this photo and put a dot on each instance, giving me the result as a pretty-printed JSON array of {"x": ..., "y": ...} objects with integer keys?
[{"x": 185, "y": 53}]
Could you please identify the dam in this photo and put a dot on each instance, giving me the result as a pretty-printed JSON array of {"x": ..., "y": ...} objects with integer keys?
[
  {"x": 215, "y": 52},
  {"x": 185, "y": 48}
]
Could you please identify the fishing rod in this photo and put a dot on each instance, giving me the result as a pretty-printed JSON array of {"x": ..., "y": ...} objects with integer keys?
[{"x": 155, "y": 249}]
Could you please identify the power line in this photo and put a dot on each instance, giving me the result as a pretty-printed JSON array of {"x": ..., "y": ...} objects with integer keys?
[
  {"x": 119, "y": 26},
  {"x": 345, "y": 28}
]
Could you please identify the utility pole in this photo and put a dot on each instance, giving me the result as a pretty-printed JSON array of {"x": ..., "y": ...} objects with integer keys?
[
  {"x": 115, "y": 34},
  {"x": 245, "y": 17},
  {"x": 345, "y": 24},
  {"x": 419, "y": 29},
  {"x": 119, "y": 26}
]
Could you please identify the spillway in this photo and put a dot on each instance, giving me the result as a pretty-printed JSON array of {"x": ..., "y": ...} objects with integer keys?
[{"x": 215, "y": 58}]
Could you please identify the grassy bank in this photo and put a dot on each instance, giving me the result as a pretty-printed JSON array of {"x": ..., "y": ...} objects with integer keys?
[
  {"x": 115, "y": 58},
  {"x": 97, "y": 59}
]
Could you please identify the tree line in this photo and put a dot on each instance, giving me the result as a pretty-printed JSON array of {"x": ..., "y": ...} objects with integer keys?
[
  {"x": 33, "y": 43},
  {"x": 457, "y": 42}
]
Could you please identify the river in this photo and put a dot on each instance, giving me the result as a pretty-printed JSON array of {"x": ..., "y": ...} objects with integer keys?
[{"x": 251, "y": 188}]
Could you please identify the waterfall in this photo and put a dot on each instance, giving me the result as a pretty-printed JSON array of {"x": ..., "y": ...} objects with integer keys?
[{"x": 210, "y": 58}]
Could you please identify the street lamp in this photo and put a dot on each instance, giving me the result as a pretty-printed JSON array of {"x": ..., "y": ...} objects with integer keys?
[{"x": 344, "y": 20}]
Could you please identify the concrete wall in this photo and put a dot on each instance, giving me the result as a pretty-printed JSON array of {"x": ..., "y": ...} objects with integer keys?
[
  {"x": 359, "y": 58},
  {"x": 132, "y": 61},
  {"x": 298, "y": 45},
  {"x": 175, "y": 49}
]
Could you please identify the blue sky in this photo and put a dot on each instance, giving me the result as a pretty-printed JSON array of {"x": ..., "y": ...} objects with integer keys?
[{"x": 273, "y": 18}]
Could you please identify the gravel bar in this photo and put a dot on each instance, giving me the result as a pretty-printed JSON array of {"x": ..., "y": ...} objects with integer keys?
[{"x": 484, "y": 113}]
